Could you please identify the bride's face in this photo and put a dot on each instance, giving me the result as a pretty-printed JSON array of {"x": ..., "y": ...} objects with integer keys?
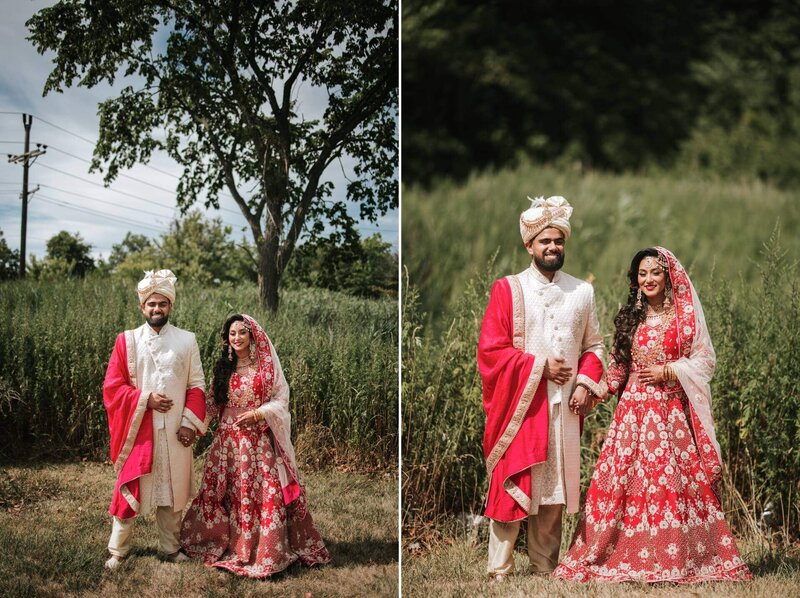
[
  {"x": 652, "y": 280},
  {"x": 239, "y": 338}
]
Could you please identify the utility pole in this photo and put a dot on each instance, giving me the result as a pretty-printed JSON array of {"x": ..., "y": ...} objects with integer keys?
[{"x": 25, "y": 158}]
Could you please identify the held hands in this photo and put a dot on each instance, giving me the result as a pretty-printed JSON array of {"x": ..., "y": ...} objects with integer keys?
[
  {"x": 581, "y": 402},
  {"x": 159, "y": 402},
  {"x": 556, "y": 370},
  {"x": 186, "y": 436}
]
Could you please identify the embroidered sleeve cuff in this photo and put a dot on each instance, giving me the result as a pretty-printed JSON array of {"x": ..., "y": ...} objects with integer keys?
[
  {"x": 190, "y": 420},
  {"x": 596, "y": 388}
]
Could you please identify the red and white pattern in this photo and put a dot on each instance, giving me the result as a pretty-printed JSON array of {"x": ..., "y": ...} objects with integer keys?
[
  {"x": 239, "y": 520},
  {"x": 651, "y": 512}
]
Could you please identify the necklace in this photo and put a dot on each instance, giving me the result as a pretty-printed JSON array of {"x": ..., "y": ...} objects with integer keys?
[{"x": 653, "y": 350}]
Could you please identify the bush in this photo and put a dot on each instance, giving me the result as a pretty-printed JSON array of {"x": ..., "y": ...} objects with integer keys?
[{"x": 339, "y": 354}]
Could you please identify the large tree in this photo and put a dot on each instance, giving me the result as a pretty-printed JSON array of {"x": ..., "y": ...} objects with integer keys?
[{"x": 215, "y": 85}]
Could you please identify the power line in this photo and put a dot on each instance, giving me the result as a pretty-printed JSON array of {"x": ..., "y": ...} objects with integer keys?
[
  {"x": 96, "y": 184},
  {"x": 121, "y": 174},
  {"x": 91, "y": 212},
  {"x": 101, "y": 200},
  {"x": 127, "y": 176}
]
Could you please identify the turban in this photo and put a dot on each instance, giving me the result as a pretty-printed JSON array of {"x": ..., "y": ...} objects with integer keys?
[
  {"x": 161, "y": 282},
  {"x": 544, "y": 213}
]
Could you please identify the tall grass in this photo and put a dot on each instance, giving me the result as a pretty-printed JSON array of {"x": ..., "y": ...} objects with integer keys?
[
  {"x": 339, "y": 354},
  {"x": 746, "y": 277},
  {"x": 450, "y": 232}
]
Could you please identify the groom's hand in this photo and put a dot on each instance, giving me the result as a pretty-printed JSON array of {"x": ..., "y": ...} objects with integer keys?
[
  {"x": 555, "y": 369},
  {"x": 580, "y": 403}
]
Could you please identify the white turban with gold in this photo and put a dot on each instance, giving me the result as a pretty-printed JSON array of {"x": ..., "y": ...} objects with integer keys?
[
  {"x": 161, "y": 282},
  {"x": 544, "y": 213}
]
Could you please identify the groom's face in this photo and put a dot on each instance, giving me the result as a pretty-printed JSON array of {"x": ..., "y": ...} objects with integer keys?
[
  {"x": 547, "y": 250},
  {"x": 156, "y": 309}
]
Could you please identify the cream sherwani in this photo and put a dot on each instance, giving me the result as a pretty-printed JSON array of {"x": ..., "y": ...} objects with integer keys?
[
  {"x": 560, "y": 320},
  {"x": 167, "y": 362}
]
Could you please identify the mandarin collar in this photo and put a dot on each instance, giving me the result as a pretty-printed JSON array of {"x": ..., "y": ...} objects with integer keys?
[
  {"x": 152, "y": 332},
  {"x": 541, "y": 278}
]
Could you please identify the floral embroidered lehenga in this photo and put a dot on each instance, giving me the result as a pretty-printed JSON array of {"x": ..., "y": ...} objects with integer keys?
[
  {"x": 250, "y": 516},
  {"x": 652, "y": 511}
]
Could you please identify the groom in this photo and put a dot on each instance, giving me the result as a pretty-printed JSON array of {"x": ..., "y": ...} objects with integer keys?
[
  {"x": 540, "y": 357},
  {"x": 153, "y": 393}
]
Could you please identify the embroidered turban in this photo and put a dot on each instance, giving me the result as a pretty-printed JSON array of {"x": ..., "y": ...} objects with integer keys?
[
  {"x": 161, "y": 282},
  {"x": 543, "y": 213}
]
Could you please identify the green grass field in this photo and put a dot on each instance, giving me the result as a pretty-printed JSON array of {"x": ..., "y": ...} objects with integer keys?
[
  {"x": 54, "y": 528},
  {"x": 740, "y": 244},
  {"x": 339, "y": 354}
]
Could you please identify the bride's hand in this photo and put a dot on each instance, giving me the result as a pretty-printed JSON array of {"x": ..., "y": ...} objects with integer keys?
[
  {"x": 247, "y": 418},
  {"x": 652, "y": 375}
]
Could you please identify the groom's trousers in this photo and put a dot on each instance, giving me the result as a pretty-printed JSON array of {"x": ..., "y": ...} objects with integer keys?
[{"x": 544, "y": 541}]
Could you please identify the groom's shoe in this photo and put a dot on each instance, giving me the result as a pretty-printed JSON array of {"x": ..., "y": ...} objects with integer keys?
[{"x": 113, "y": 562}]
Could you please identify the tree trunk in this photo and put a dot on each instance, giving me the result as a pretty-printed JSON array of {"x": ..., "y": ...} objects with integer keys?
[{"x": 269, "y": 276}]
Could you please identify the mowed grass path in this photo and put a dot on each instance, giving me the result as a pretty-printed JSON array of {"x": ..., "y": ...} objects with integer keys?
[
  {"x": 457, "y": 568},
  {"x": 54, "y": 529}
]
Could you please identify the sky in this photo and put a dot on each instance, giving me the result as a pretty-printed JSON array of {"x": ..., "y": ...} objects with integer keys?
[{"x": 67, "y": 196}]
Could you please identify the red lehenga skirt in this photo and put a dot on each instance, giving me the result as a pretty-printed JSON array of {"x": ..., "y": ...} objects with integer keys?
[
  {"x": 239, "y": 521},
  {"x": 651, "y": 514}
]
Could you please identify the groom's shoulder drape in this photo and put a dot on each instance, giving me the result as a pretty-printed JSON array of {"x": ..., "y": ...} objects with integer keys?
[{"x": 515, "y": 437}]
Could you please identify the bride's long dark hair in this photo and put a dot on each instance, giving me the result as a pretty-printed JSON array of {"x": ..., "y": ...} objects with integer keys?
[
  {"x": 225, "y": 366},
  {"x": 629, "y": 315}
]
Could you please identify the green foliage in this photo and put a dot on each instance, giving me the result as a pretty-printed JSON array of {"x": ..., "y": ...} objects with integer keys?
[
  {"x": 216, "y": 89},
  {"x": 714, "y": 86},
  {"x": 365, "y": 268},
  {"x": 442, "y": 408},
  {"x": 608, "y": 85},
  {"x": 749, "y": 124},
  {"x": 339, "y": 353},
  {"x": 196, "y": 249},
  {"x": 450, "y": 232},
  {"x": 9, "y": 260},
  {"x": 726, "y": 236},
  {"x": 132, "y": 243},
  {"x": 67, "y": 255}
]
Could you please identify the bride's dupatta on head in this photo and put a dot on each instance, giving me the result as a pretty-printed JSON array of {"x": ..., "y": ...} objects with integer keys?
[
  {"x": 274, "y": 400},
  {"x": 696, "y": 364}
]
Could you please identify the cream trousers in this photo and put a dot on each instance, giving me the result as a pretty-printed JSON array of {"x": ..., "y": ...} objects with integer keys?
[
  {"x": 544, "y": 541},
  {"x": 169, "y": 526}
]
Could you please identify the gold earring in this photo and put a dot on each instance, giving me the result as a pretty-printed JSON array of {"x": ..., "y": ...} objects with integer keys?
[
  {"x": 639, "y": 299},
  {"x": 230, "y": 353}
]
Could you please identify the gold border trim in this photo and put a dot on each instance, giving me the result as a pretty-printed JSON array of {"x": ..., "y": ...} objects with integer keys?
[
  {"x": 130, "y": 498},
  {"x": 133, "y": 430},
  {"x": 535, "y": 377},
  {"x": 518, "y": 495},
  {"x": 596, "y": 387},
  {"x": 200, "y": 425},
  {"x": 141, "y": 406}
]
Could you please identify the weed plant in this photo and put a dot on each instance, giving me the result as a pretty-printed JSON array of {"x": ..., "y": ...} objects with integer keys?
[{"x": 339, "y": 354}]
